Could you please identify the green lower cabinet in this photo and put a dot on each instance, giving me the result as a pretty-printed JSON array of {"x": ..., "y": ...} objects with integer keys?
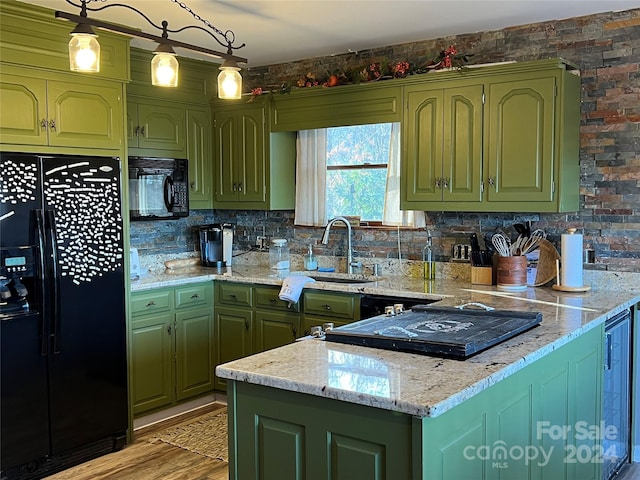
[
  {"x": 275, "y": 329},
  {"x": 151, "y": 359},
  {"x": 542, "y": 422},
  {"x": 195, "y": 349},
  {"x": 234, "y": 338},
  {"x": 172, "y": 346},
  {"x": 312, "y": 438}
]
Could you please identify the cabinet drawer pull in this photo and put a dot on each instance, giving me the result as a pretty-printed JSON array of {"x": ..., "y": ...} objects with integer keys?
[
  {"x": 326, "y": 306},
  {"x": 194, "y": 296},
  {"x": 151, "y": 304},
  {"x": 233, "y": 296},
  {"x": 273, "y": 301}
]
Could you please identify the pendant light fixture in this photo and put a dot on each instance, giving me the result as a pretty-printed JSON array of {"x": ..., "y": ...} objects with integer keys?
[
  {"x": 84, "y": 49},
  {"x": 229, "y": 81}
]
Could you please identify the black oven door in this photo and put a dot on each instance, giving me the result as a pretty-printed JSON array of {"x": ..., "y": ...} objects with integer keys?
[{"x": 151, "y": 194}]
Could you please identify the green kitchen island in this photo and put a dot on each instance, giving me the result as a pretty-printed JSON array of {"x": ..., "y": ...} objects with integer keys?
[{"x": 528, "y": 408}]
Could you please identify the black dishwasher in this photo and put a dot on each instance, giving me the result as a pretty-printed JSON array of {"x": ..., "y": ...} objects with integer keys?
[{"x": 373, "y": 305}]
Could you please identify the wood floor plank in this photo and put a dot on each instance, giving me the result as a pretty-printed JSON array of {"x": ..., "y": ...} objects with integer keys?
[{"x": 145, "y": 460}]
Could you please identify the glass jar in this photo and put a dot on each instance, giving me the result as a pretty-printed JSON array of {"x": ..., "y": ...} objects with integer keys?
[{"x": 279, "y": 254}]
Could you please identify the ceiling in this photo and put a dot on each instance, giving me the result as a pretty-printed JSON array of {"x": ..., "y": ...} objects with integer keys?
[{"x": 279, "y": 31}]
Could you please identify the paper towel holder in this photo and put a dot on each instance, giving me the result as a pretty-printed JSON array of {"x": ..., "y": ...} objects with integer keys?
[{"x": 565, "y": 288}]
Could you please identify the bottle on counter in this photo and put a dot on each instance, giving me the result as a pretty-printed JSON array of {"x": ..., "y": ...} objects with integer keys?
[
  {"x": 279, "y": 254},
  {"x": 427, "y": 259},
  {"x": 310, "y": 261}
]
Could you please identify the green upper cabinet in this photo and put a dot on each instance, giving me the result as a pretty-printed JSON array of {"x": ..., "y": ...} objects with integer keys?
[
  {"x": 155, "y": 129},
  {"x": 239, "y": 155},
  {"x": 493, "y": 139},
  {"x": 43, "y": 111},
  {"x": 253, "y": 168},
  {"x": 519, "y": 139},
  {"x": 442, "y": 143},
  {"x": 200, "y": 158}
]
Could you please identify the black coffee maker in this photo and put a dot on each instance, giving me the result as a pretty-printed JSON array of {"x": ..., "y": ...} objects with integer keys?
[{"x": 212, "y": 246}]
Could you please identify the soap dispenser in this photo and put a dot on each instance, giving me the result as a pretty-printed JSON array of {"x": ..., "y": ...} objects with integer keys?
[
  {"x": 427, "y": 259},
  {"x": 310, "y": 261}
]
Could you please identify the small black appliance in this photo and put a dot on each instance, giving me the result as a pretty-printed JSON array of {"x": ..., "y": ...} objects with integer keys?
[{"x": 212, "y": 245}]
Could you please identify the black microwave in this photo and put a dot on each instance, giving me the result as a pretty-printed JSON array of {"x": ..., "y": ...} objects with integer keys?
[{"x": 158, "y": 188}]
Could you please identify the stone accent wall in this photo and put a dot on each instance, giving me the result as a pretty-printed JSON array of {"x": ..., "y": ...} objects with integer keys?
[{"x": 606, "y": 47}]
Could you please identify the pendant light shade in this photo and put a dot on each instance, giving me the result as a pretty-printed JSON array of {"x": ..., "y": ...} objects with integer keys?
[
  {"x": 229, "y": 81},
  {"x": 84, "y": 49},
  {"x": 164, "y": 67}
]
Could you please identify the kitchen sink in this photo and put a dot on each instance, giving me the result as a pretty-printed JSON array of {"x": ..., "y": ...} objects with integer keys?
[{"x": 319, "y": 278}]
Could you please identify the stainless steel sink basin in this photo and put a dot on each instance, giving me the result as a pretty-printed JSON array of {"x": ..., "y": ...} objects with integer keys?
[{"x": 320, "y": 278}]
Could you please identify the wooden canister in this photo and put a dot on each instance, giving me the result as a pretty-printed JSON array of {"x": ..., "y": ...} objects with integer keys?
[{"x": 512, "y": 272}]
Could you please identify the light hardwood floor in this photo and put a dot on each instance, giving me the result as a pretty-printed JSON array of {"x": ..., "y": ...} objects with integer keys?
[{"x": 143, "y": 460}]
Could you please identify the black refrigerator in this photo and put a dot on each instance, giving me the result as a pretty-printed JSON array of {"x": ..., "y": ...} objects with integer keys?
[{"x": 63, "y": 383}]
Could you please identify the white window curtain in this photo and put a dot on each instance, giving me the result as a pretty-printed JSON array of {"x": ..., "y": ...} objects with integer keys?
[
  {"x": 392, "y": 215},
  {"x": 311, "y": 178}
]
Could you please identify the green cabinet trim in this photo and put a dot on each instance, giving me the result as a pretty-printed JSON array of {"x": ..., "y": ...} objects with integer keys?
[
  {"x": 172, "y": 348},
  {"x": 346, "y": 105},
  {"x": 155, "y": 129}
]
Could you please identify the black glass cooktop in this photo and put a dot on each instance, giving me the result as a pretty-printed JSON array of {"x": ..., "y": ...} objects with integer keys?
[{"x": 440, "y": 331}]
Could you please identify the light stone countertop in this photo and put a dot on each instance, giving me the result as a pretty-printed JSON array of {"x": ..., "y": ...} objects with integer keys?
[{"x": 414, "y": 384}]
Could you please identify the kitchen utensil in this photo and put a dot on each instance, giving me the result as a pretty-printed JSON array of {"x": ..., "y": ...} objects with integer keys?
[
  {"x": 476, "y": 256},
  {"x": 502, "y": 244},
  {"x": 531, "y": 243}
]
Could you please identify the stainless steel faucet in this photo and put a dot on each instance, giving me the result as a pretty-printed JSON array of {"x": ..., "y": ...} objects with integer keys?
[{"x": 325, "y": 240}]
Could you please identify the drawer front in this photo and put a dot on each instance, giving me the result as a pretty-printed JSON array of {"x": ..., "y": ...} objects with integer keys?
[
  {"x": 193, "y": 296},
  {"x": 234, "y": 294},
  {"x": 150, "y": 302},
  {"x": 330, "y": 305},
  {"x": 267, "y": 297}
]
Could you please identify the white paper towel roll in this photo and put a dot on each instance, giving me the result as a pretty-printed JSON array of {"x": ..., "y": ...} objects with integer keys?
[
  {"x": 571, "y": 248},
  {"x": 227, "y": 246}
]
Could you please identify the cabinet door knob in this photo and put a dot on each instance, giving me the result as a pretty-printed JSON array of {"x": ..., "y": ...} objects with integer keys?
[
  {"x": 492, "y": 181},
  {"x": 52, "y": 124},
  {"x": 240, "y": 187},
  {"x": 44, "y": 124},
  {"x": 235, "y": 187},
  {"x": 246, "y": 324},
  {"x": 142, "y": 131},
  {"x": 193, "y": 185},
  {"x": 437, "y": 183},
  {"x": 445, "y": 183},
  {"x": 136, "y": 130},
  {"x": 169, "y": 329}
]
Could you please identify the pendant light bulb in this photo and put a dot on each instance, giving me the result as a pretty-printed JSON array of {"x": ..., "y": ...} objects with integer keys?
[
  {"x": 84, "y": 50},
  {"x": 164, "y": 67},
  {"x": 229, "y": 81}
]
